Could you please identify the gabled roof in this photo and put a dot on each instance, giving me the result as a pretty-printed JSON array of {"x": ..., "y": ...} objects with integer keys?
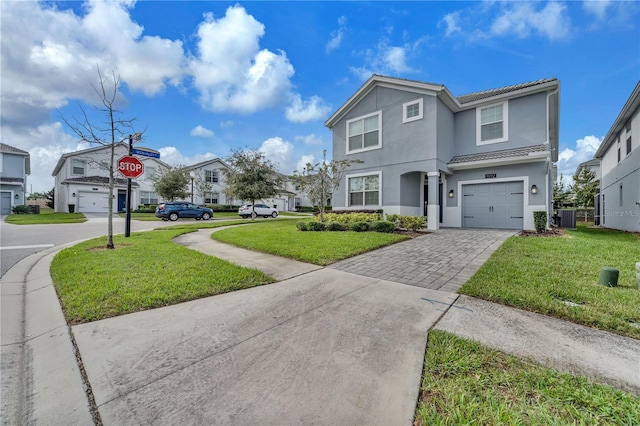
[
  {"x": 524, "y": 154},
  {"x": 13, "y": 150},
  {"x": 632, "y": 104},
  {"x": 82, "y": 152},
  {"x": 456, "y": 104},
  {"x": 206, "y": 163}
]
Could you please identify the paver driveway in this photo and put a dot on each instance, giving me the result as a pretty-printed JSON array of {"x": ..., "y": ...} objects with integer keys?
[{"x": 442, "y": 260}]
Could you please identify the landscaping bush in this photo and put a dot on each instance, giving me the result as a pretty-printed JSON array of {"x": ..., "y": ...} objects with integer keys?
[
  {"x": 382, "y": 226},
  {"x": 223, "y": 207},
  {"x": 315, "y": 226},
  {"x": 302, "y": 226},
  {"x": 20, "y": 209},
  {"x": 359, "y": 226},
  {"x": 349, "y": 218},
  {"x": 148, "y": 208},
  {"x": 540, "y": 220},
  {"x": 336, "y": 226},
  {"x": 411, "y": 223}
]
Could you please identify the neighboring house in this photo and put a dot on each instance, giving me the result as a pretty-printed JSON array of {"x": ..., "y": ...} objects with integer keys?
[
  {"x": 591, "y": 165},
  {"x": 14, "y": 168},
  {"x": 619, "y": 159},
  {"x": 291, "y": 198},
  {"x": 207, "y": 182},
  {"x": 482, "y": 160},
  {"x": 82, "y": 181}
]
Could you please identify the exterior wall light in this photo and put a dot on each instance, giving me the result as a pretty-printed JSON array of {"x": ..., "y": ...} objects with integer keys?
[
  {"x": 451, "y": 193},
  {"x": 17, "y": 196},
  {"x": 73, "y": 195},
  {"x": 534, "y": 189}
]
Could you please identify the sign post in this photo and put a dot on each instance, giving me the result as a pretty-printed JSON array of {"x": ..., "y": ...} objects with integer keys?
[{"x": 130, "y": 167}]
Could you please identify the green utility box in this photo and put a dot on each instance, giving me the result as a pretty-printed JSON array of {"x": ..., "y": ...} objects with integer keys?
[{"x": 609, "y": 277}]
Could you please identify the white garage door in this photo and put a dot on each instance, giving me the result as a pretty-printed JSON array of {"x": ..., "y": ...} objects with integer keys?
[
  {"x": 93, "y": 202},
  {"x": 493, "y": 205}
]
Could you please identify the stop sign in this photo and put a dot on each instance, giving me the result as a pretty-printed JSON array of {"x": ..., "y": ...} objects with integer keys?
[{"x": 130, "y": 167}]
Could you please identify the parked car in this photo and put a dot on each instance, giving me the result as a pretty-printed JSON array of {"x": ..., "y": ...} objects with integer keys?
[
  {"x": 261, "y": 210},
  {"x": 174, "y": 210}
]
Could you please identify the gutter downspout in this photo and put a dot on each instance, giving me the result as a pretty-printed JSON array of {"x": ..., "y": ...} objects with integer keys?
[{"x": 550, "y": 158}]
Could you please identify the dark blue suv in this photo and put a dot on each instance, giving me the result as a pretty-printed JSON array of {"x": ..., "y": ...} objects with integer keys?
[{"x": 176, "y": 209}]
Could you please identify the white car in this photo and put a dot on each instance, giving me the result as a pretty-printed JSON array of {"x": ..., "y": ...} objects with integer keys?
[{"x": 263, "y": 210}]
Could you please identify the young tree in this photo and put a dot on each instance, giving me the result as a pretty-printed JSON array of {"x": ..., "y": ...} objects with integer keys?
[
  {"x": 50, "y": 196},
  {"x": 251, "y": 177},
  {"x": 585, "y": 187},
  {"x": 111, "y": 132},
  {"x": 320, "y": 180},
  {"x": 172, "y": 184},
  {"x": 201, "y": 186}
]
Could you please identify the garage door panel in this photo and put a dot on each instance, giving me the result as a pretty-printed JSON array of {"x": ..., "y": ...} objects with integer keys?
[
  {"x": 493, "y": 205},
  {"x": 93, "y": 202}
]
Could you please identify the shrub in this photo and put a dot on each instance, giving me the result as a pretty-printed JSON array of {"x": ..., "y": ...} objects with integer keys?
[
  {"x": 20, "y": 209},
  {"x": 315, "y": 226},
  {"x": 348, "y": 218},
  {"x": 412, "y": 223},
  {"x": 540, "y": 220},
  {"x": 149, "y": 208},
  {"x": 382, "y": 226},
  {"x": 336, "y": 226},
  {"x": 359, "y": 226},
  {"x": 302, "y": 226}
]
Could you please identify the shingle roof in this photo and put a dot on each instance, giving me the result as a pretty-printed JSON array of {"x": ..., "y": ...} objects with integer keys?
[
  {"x": 8, "y": 148},
  {"x": 494, "y": 155},
  {"x": 99, "y": 180},
  {"x": 471, "y": 97},
  {"x": 6, "y": 179}
]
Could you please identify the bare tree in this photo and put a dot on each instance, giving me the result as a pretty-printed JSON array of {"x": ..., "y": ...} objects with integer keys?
[
  {"x": 110, "y": 132},
  {"x": 321, "y": 179}
]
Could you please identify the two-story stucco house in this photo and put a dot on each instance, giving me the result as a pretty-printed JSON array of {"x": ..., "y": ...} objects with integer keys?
[
  {"x": 14, "y": 168},
  {"x": 619, "y": 157},
  {"x": 479, "y": 160},
  {"x": 207, "y": 182},
  {"x": 82, "y": 181}
]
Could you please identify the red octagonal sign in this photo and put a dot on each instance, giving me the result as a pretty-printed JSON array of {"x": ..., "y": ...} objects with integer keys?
[{"x": 130, "y": 167}]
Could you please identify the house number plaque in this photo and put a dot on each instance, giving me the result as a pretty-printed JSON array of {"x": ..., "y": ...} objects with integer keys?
[{"x": 489, "y": 175}]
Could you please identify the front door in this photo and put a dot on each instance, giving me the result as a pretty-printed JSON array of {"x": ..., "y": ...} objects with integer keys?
[{"x": 122, "y": 200}]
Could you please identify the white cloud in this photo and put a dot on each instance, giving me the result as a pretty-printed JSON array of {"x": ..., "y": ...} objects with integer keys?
[
  {"x": 569, "y": 159},
  {"x": 310, "y": 140},
  {"x": 231, "y": 72},
  {"x": 227, "y": 123},
  {"x": 337, "y": 35},
  {"x": 450, "y": 21},
  {"x": 597, "y": 7},
  {"x": 300, "y": 111},
  {"x": 387, "y": 59},
  {"x": 201, "y": 132},
  {"x": 521, "y": 19},
  {"x": 279, "y": 152},
  {"x": 172, "y": 156}
]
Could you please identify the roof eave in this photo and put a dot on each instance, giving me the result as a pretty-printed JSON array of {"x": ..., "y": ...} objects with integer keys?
[
  {"x": 531, "y": 158},
  {"x": 630, "y": 106},
  {"x": 543, "y": 87}
]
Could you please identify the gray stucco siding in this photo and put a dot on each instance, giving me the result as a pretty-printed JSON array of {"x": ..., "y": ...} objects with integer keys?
[
  {"x": 527, "y": 123},
  {"x": 625, "y": 174},
  {"x": 445, "y": 132},
  {"x": 534, "y": 171},
  {"x": 12, "y": 165}
]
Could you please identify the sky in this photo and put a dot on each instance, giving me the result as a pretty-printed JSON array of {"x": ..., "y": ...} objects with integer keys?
[{"x": 201, "y": 78}]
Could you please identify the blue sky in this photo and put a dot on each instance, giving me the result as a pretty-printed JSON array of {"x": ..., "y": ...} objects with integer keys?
[{"x": 202, "y": 78}]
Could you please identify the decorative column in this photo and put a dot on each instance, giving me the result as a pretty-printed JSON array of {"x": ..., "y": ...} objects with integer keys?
[{"x": 433, "y": 181}]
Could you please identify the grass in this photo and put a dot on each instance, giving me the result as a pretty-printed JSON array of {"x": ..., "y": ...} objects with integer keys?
[
  {"x": 558, "y": 276},
  {"x": 281, "y": 238},
  {"x": 46, "y": 216},
  {"x": 145, "y": 271},
  {"x": 466, "y": 383}
]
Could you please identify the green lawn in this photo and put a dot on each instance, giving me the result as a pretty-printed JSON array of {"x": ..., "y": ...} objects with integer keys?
[
  {"x": 465, "y": 383},
  {"x": 46, "y": 216},
  {"x": 558, "y": 276},
  {"x": 145, "y": 271},
  {"x": 280, "y": 237}
]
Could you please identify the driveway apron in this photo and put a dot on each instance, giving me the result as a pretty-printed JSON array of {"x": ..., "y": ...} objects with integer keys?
[{"x": 443, "y": 260}]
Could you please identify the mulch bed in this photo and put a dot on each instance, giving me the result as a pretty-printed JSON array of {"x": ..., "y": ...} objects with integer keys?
[{"x": 548, "y": 233}]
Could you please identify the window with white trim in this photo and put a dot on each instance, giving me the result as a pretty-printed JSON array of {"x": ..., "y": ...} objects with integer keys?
[
  {"x": 77, "y": 167},
  {"x": 364, "y": 133},
  {"x": 148, "y": 197},
  {"x": 412, "y": 111},
  {"x": 364, "y": 190},
  {"x": 492, "y": 124},
  {"x": 149, "y": 171},
  {"x": 211, "y": 176},
  {"x": 211, "y": 198}
]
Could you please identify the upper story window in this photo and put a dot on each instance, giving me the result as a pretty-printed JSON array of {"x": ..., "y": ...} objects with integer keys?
[
  {"x": 150, "y": 171},
  {"x": 364, "y": 133},
  {"x": 619, "y": 150},
  {"x": 364, "y": 190},
  {"x": 492, "y": 124},
  {"x": 77, "y": 167},
  {"x": 412, "y": 111},
  {"x": 629, "y": 145},
  {"x": 627, "y": 126},
  {"x": 211, "y": 176}
]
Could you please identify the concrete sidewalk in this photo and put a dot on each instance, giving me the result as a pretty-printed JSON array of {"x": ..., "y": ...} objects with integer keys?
[{"x": 321, "y": 346}]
